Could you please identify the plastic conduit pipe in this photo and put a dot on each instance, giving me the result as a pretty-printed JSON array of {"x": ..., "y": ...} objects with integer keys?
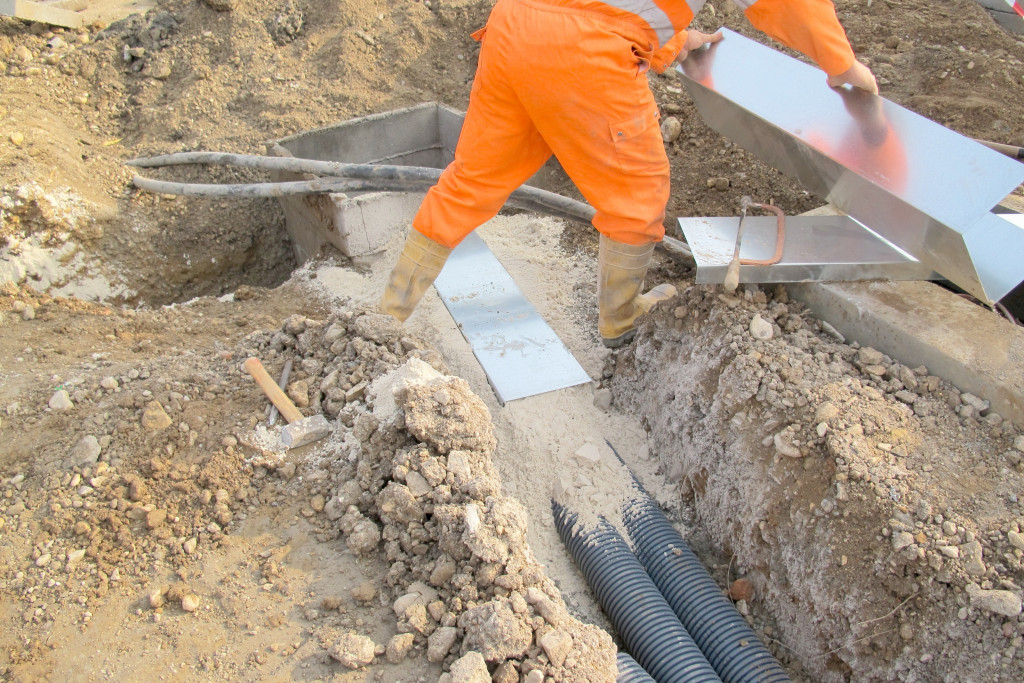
[
  {"x": 732, "y": 647},
  {"x": 629, "y": 671},
  {"x": 649, "y": 629}
]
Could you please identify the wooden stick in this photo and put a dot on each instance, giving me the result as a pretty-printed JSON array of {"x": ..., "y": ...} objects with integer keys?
[{"x": 284, "y": 404}]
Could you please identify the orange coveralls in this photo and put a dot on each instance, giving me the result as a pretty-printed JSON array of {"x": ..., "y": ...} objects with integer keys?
[{"x": 569, "y": 77}]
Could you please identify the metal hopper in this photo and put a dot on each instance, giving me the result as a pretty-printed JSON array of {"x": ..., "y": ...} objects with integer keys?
[{"x": 922, "y": 187}]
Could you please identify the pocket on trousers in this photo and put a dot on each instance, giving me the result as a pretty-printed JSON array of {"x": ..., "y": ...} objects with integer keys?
[{"x": 638, "y": 144}]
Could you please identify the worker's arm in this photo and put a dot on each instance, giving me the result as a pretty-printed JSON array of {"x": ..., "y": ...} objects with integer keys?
[{"x": 812, "y": 28}]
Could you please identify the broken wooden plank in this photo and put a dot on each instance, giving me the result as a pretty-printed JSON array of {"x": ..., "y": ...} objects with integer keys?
[
  {"x": 74, "y": 13},
  {"x": 46, "y": 13}
]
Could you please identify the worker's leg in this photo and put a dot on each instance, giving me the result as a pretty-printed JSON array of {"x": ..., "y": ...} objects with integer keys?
[
  {"x": 498, "y": 150},
  {"x": 602, "y": 124}
]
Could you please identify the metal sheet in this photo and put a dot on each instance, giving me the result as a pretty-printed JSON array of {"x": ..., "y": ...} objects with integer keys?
[
  {"x": 520, "y": 353},
  {"x": 920, "y": 185},
  {"x": 817, "y": 249}
]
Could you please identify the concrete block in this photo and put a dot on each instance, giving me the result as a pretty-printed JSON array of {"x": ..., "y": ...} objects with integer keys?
[{"x": 920, "y": 323}]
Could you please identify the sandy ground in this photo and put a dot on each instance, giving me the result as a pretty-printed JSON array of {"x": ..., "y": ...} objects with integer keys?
[{"x": 150, "y": 527}]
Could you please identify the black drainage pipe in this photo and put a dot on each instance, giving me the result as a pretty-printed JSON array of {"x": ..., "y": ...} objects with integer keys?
[
  {"x": 731, "y": 646},
  {"x": 649, "y": 629},
  {"x": 630, "y": 671}
]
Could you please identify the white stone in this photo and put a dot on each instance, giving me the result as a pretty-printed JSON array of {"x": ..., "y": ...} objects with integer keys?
[
  {"x": 588, "y": 453},
  {"x": 61, "y": 400},
  {"x": 761, "y": 328}
]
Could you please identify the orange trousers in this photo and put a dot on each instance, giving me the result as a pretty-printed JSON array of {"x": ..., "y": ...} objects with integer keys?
[{"x": 556, "y": 80}]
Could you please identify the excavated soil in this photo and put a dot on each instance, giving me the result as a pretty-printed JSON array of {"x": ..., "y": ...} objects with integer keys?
[{"x": 152, "y": 527}]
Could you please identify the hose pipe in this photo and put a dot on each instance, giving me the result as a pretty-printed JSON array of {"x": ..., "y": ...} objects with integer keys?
[
  {"x": 649, "y": 629},
  {"x": 629, "y": 671},
  {"x": 718, "y": 629}
]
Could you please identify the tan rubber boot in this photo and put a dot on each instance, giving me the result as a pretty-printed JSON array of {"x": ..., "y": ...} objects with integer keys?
[
  {"x": 418, "y": 266},
  {"x": 621, "y": 269}
]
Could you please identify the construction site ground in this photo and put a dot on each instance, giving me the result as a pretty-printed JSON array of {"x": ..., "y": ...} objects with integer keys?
[{"x": 151, "y": 528}]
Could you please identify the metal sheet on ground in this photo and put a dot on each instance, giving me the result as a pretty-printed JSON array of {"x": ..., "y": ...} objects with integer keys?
[
  {"x": 817, "y": 249},
  {"x": 520, "y": 353}
]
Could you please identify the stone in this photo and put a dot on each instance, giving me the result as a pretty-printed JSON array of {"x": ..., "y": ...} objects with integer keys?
[
  {"x": 190, "y": 603},
  {"x": 741, "y": 589},
  {"x": 298, "y": 392},
  {"x": 470, "y": 668},
  {"x": 1016, "y": 539},
  {"x": 220, "y": 5},
  {"x": 154, "y": 418},
  {"x": 535, "y": 676},
  {"x": 948, "y": 528},
  {"x": 399, "y": 646},
  {"x": 556, "y": 645},
  {"x": 85, "y": 452},
  {"x": 495, "y": 631},
  {"x": 364, "y": 592},
  {"x": 443, "y": 571},
  {"x": 971, "y": 554},
  {"x": 1001, "y": 602},
  {"x": 156, "y": 597},
  {"x": 61, "y": 400},
  {"x": 418, "y": 486},
  {"x": 17, "y": 138},
  {"x": 440, "y": 642},
  {"x": 189, "y": 546},
  {"x": 505, "y": 673},
  {"x": 826, "y": 411},
  {"x": 361, "y": 534},
  {"x": 869, "y": 356},
  {"x": 29, "y": 313},
  {"x": 155, "y": 518},
  {"x": 22, "y": 54},
  {"x": 109, "y": 383},
  {"x": 761, "y": 328},
  {"x": 671, "y": 129},
  {"x": 397, "y": 504},
  {"x": 352, "y": 650},
  {"x": 588, "y": 454},
  {"x": 603, "y": 398},
  {"x": 784, "y": 444},
  {"x": 901, "y": 540}
]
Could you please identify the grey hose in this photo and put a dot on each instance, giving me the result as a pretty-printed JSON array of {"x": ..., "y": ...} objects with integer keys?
[
  {"x": 377, "y": 177},
  {"x": 346, "y": 177}
]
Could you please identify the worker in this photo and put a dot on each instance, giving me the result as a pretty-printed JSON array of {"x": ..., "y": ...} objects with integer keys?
[{"x": 569, "y": 77}]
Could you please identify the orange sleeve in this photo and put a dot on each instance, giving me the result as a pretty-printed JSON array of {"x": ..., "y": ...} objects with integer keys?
[
  {"x": 807, "y": 26},
  {"x": 664, "y": 55}
]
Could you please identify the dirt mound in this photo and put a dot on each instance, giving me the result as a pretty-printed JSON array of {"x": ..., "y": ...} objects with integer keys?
[{"x": 834, "y": 477}]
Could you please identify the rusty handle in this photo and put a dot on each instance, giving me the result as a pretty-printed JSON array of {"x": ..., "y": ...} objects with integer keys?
[
  {"x": 780, "y": 237},
  {"x": 284, "y": 404}
]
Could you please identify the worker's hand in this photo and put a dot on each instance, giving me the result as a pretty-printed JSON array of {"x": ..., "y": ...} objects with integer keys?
[
  {"x": 694, "y": 40},
  {"x": 858, "y": 75}
]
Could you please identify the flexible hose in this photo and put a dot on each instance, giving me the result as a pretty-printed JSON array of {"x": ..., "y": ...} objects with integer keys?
[
  {"x": 649, "y": 629},
  {"x": 345, "y": 177},
  {"x": 630, "y": 671},
  {"x": 409, "y": 178},
  {"x": 729, "y": 644}
]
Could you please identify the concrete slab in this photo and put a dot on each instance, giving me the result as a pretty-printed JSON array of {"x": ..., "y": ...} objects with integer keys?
[{"x": 921, "y": 323}]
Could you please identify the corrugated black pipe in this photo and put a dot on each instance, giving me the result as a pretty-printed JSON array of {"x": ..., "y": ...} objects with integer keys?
[
  {"x": 720, "y": 631},
  {"x": 649, "y": 629},
  {"x": 630, "y": 671}
]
